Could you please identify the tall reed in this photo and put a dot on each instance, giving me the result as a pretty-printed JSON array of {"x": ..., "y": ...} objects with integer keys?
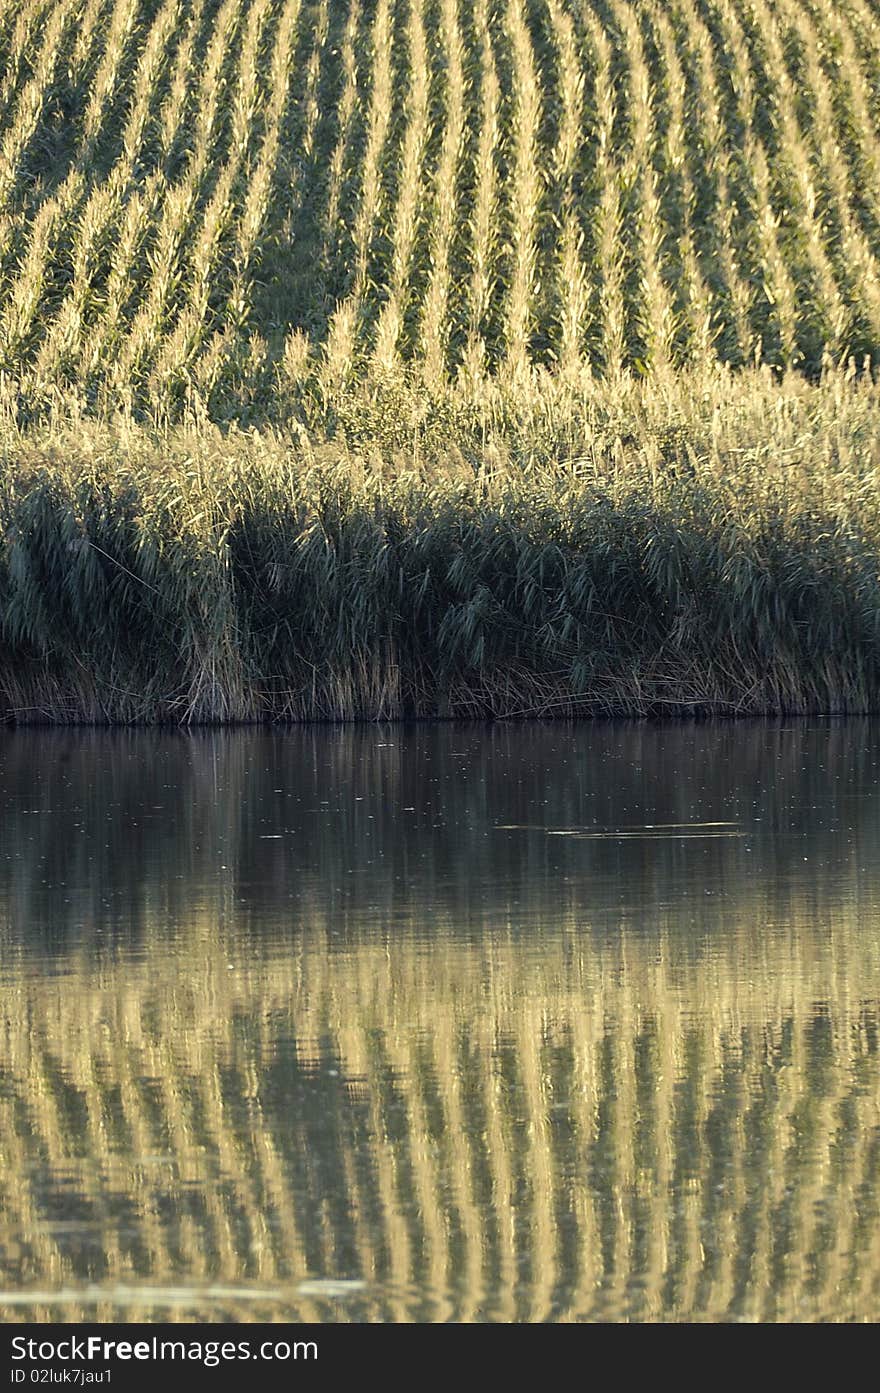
[{"x": 708, "y": 542}]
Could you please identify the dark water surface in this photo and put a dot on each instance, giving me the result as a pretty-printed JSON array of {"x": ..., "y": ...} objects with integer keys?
[{"x": 457, "y": 1022}]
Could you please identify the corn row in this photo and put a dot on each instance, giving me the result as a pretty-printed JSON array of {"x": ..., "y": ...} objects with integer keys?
[
  {"x": 179, "y": 96},
  {"x": 654, "y": 315},
  {"x": 484, "y": 219},
  {"x": 776, "y": 281},
  {"x": 103, "y": 208},
  {"x": 853, "y": 91},
  {"x": 829, "y": 320},
  {"x": 83, "y": 54},
  {"x": 408, "y": 210},
  {"x": 30, "y": 18},
  {"x": 711, "y": 163},
  {"x": 855, "y": 261},
  {"x": 164, "y": 258},
  {"x": 697, "y": 302},
  {"x": 436, "y": 315},
  {"x": 571, "y": 290},
  {"x": 19, "y": 318},
  {"x": 141, "y": 202},
  {"x": 610, "y": 342},
  {"x": 22, "y": 121},
  {"x": 378, "y": 121},
  {"x": 348, "y": 103},
  {"x": 68, "y": 200},
  {"x": 103, "y": 86},
  {"x": 525, "y": 188},
  {"x": 186, "y": 338}
]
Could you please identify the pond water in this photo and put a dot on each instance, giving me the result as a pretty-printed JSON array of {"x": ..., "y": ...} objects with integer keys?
[{"x": 441, "y": 1023}]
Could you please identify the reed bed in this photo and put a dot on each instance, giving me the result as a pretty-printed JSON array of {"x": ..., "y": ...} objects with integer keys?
[{"x": 706, "y": 542}]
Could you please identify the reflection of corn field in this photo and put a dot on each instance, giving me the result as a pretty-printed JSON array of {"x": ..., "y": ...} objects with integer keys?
[
  {"x": 478, "y": 1129},
  {"x": 522, "y": 1102},
  {"x": 208, "y": 196}
]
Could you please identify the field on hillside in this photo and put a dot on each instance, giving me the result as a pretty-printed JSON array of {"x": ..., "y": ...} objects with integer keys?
[
  {"x": 373, "y": 358},
  {"x": 245, "y": 205}
]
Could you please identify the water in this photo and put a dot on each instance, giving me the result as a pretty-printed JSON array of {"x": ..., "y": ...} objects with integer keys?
[{"x": 458, "y": 1022}]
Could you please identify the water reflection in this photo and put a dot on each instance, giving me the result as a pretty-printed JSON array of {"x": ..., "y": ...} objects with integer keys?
[{"x": 430, "y": 1023}]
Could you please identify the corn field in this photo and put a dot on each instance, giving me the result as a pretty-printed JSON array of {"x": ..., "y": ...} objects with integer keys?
[{"x": 229, "y": 205}]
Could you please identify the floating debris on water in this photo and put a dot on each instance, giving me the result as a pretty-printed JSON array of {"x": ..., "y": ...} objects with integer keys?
[{"x": 330, "y": 1286}]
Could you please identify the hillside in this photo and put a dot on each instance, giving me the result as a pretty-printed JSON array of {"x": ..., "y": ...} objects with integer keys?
[
  {"x": 384, "y": 359},
  {"x": 246, "y": 204}
]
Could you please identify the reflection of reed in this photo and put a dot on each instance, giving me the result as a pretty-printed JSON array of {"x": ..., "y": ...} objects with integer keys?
[
  {"x": 476, "y": 1129},
  {"x": 121, "y": 830}
]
